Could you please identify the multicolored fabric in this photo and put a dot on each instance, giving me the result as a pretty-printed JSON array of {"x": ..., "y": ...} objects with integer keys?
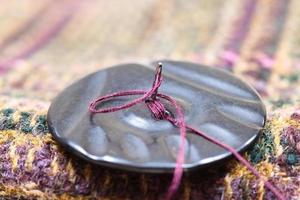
[{"x": 46, "y": 45}]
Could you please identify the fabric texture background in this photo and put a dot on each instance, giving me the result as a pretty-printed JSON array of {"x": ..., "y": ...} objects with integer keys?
[{"x": 47, "y": 45}]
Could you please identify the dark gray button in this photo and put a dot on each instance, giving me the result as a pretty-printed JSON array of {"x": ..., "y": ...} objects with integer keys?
[{"x": 214, "y": 101}]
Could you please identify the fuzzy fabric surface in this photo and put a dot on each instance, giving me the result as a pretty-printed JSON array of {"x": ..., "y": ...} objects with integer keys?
[{"x": 46, "y": 45}]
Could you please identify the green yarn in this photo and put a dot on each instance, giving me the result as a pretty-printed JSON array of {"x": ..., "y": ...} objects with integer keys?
[
  {"x": 9, "y": 124},
  {"x": 7, "y": 112},
  {"x": 292, "y": 78},
  {"x": 6, "y": 119},
  {"x": 25, "y": 122},
  {"x": 280, "y": 103},
  {"x": 264, "y": 147},
  {"x": 41, "y": 124},
  {"x": 292, "y": 159}
]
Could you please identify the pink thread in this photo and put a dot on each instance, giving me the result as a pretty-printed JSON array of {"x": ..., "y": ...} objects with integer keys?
[{"x": 152, "y": 99}]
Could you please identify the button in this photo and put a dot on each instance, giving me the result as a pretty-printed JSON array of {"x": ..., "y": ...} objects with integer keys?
[{"x": 213, "y": 101}]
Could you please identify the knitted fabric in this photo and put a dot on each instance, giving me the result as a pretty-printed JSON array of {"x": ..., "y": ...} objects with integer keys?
[{"x": 46, "y": 45}]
